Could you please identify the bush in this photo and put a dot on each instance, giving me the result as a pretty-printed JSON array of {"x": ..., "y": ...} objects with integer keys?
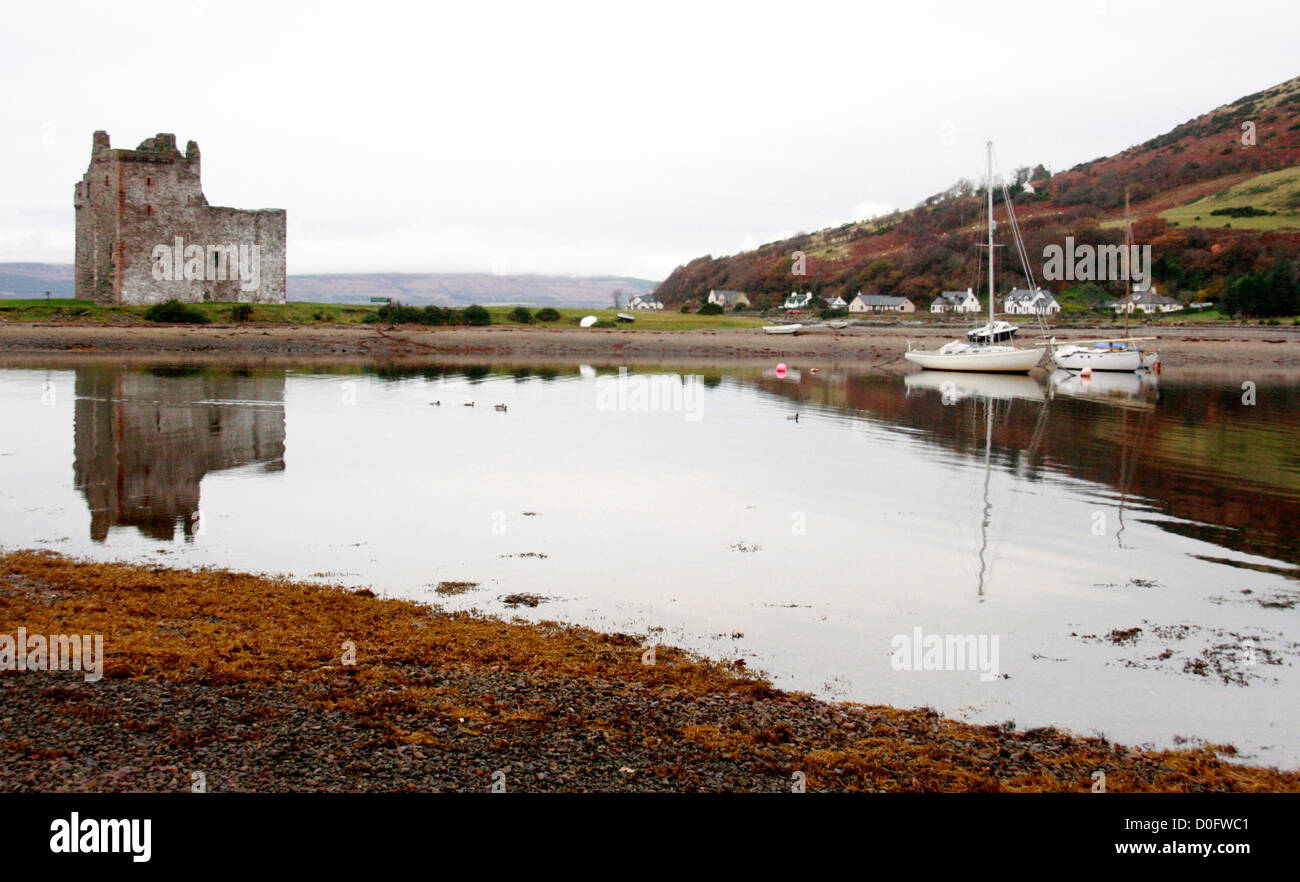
[
  {"x": 401, "y": 314},
  {"x": 242, "y": 312},
  {"x": 1242, "y": 211},
  {"x": 547, "y": 314},
  {"x": 739, "y": 307},
  {"x": 176, "y": 312},
  {"x": 710, "y": 309},
  {"x": 475, "y": 315},
  {"x": 686, "y": 307},
  {"x": 398, "y": 313},
  {"x": 521, "y": 314},
  {"x": 437, "y": 315}
]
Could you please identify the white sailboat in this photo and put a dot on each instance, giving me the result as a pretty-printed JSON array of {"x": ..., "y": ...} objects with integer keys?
[
  {"x": 1125, "y": 353},
  {"x": 1098, "y": 355},
  {"x": 982, "y": 353}
]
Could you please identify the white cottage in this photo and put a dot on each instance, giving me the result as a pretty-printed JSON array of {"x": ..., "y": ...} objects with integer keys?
[
  {"x": 956, "y": 301},
  {"x": 644, "y": 301},
  {"x": 728, "y": 298},
  {"x": 1030, "y": 301},
  {"x": 1147, "y": 300},
  {"x": 881, "y": 303}
]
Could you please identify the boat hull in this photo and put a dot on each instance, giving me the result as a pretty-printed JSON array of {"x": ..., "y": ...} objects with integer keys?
[
  {"x": 782, "y": 329},
  {"x": 1076, "y": 358},
  {"x": 994, "y": 360}
]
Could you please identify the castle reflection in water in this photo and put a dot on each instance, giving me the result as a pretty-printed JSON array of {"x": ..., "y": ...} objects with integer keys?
[{"x": 146, "y": 438}]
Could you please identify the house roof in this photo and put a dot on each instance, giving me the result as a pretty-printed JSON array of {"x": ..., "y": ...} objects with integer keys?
[
  {"x": 1031, "y": 294},
  {"x": 955, "y": 295},
  {"x": 879, "y": 299},
  {"x": 1148, "y": 295}
]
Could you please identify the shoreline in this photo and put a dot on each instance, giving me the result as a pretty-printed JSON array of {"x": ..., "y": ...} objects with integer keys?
[
  {"x": 244, "y": 678},
  {"x": 1194, "y": 349}
]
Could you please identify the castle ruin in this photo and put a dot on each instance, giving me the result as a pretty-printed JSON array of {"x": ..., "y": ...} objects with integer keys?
[{"x": 145, "y": 232}]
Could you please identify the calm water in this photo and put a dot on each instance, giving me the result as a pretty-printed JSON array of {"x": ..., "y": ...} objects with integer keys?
[{"x": 1049, "y": 515}]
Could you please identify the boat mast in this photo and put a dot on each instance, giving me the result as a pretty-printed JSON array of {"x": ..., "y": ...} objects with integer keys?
[
  {"x": 1128, "y": 248},
  {"x": 989, "y": 187}
]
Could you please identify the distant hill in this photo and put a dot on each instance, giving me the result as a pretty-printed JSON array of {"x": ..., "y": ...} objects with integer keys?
[
  {"x": 34, "y": 279},
  {"x": 462, "y": 289},
  {"x": 1212, "y": 207},
  {"x": 443, "y": 289}
]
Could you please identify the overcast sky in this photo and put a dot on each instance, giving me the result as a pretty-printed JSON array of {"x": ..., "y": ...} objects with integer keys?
[{"x": 595, "y": 138}]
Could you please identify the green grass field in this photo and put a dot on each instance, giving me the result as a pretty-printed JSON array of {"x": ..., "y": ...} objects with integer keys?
[
  {"x": 67, "y": 309},
  {"x": 664, "y": 320},
  {"x": 296, "y": 313},
  {"x": 1277, "y": 191},
  {"x": 1205, "y": 316}
]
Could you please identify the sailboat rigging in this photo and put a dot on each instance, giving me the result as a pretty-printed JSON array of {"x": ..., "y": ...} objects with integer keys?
[
  {"x": 983, "y": 351},
  {"x": 1114, "y": 354}
]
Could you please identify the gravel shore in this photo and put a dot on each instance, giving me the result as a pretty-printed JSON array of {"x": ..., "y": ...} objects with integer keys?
[
  {"x": 247, "y": 680},
  {"x": 1257, "y": 347}
]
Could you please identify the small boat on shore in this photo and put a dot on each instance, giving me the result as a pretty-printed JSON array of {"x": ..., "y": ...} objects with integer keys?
[
  {"x": 1126, "y": 354},
  {"x": 1121, "y": 354},
  {"x": 782, "y": 329}
]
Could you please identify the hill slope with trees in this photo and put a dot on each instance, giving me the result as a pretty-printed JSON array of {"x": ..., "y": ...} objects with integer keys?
[{"x": 1217, "y": 200}]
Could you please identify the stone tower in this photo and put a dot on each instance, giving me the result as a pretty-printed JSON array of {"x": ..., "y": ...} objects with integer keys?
[{"x": 145, "y": 232}]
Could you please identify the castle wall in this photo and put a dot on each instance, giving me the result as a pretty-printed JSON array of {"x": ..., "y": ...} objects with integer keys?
[{"x": 132, "y": 202}]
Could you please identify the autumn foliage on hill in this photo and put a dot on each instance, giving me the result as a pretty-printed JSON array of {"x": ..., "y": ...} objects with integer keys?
[{"x": 934, "y": 246}]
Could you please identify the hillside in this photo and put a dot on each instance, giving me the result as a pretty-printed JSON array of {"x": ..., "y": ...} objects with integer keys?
[
  {"x": 1216, "y": 211},
  {"x": 443, "y": 289}
]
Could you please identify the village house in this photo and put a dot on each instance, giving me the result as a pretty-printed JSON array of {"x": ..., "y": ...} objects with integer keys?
[
  {"x": 836, "y": 302},
  {"x": 1147, "y": 300},
  {"x": 798, "y": 301},
  {"x": 728, "y": 299},
  {"x": 956, "y": 301},
  {"x": 881, "y": 303},
  {"x": 644, "y": 301},
  {"x": 1030, "y": 301}
]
